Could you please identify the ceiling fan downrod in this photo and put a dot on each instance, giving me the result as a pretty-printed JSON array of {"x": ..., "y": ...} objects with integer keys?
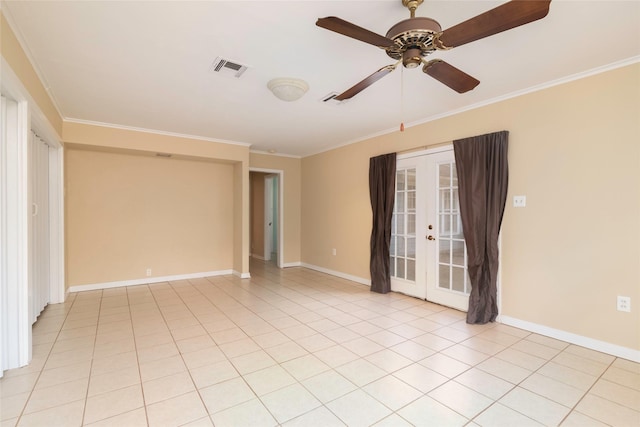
[{"x": 412, "y": 5}]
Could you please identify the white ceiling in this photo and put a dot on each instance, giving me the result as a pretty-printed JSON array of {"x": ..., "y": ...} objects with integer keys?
[{"x": 146, "y": 64}]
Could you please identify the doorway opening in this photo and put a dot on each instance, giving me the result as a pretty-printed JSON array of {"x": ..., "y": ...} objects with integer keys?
[{"x": 266, "y": 218}]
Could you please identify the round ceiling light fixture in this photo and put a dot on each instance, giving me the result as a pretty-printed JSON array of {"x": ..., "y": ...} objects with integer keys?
[{"x": 288, "y": 88}]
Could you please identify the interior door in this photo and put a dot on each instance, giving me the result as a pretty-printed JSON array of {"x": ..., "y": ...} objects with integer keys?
[
  {"x": 447, "y": 278},
  {"x": 428, "y": 254}
]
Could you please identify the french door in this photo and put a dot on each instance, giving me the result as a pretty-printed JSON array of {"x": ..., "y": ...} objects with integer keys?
[{"x": 428, "y": 254}]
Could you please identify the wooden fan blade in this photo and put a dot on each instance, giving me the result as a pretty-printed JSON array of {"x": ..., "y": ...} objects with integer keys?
[
  {"x": 494, "y": 21},
  {"x": 348, "y": 29},
  {"x": 449, "y": 75},
  {"x": 359, "y": 87}
]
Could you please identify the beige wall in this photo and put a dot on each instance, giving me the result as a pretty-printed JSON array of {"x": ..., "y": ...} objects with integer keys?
[
  {"x": 291, "y": 184},
  {"x": 236, "y": 157},
  {"x": 14, "y": 55},
  {"x": 574, "y": 152},
  {"x": 257, "y": 213},
  {"x": 126, "y": 213}
]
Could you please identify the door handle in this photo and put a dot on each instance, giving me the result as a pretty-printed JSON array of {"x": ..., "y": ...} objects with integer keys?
[{"x": 430, "y": 237}]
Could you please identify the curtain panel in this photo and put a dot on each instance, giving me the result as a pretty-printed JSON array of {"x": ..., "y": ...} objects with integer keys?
[
  {"x": 382, "y": 182},
  {"x": 483, "y": 175}
]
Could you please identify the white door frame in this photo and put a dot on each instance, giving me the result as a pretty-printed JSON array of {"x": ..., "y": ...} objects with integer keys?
[
  {"x": 15, "y": 326},
  {"x": 280, "y": 173},
  {"x": 449, "y": 147}
]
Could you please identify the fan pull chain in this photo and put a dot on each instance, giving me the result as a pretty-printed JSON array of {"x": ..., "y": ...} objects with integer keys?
[{"x": 402, "y": 99}]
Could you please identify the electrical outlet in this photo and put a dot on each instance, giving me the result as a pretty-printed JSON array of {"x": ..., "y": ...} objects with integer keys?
[
  {"x": 334, "y": 252},
  {"x": 148, "y": 272},
  {"x": 624, "y": 303},
  {"x": 519, "y": 201}
]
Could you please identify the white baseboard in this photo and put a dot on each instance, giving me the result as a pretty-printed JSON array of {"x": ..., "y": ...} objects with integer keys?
[
  {"x": 242, "y": 275},
  {"x": 337, "y": 274},
  {"x": 146, "y": 280},
  {"x": 593, "y": 344},
  {"x": 256, "y": 256},
  {"x": 291, "y": 264}
]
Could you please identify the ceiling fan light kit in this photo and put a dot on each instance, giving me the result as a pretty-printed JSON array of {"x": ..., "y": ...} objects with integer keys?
[
  {"x": 411, "y": 40},
  {"x": 287, "y": 88}
]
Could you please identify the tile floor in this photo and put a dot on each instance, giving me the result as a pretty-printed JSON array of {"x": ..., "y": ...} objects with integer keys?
[{"x": 296, "y": 347}]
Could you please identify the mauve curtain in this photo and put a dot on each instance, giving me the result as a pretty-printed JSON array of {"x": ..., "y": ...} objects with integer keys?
[
  {"x": 483, "y": 175},
  {"x": 382, "y": 182}
]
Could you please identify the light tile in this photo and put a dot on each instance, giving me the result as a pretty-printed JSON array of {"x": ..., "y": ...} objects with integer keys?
[
  {"x": 167, "y": 387},
  {"x": 554, "y": 390},
  {"x": 576, "y": 419},
  {"x": 392, "y": 392},
  {"x": 226, "y": 394},
  {"x": 49, "y": 397},
  {"x": 207, "y": 375},
  {"x": 252, "y": 362},
  {"x": 112, "y": 403},
  {"x": 200, "y": 342},
  {"x": 251, "y": 413},
  {"x": 362, "y": 346},
  {"x": 239, "y": 347},
  {"x": 69, "y": 414},
  {"x": 623, "y": 377},
  {"x": 484, "y": 383},
  {"x": 176, "y": 411},
  {"x": 319, "y": 417},
  {"x": 269, "y": 379},
  {"x": 581, "y": 364},
  {"x": 617, "y": 393},
  {"x": 114, "y": 380},
  {"x": 358, "y": 409},
  {"x": 203, "y": 357},
  {"x": 290, "y": 402},
  {"x": 137, "y": 417},
  {"x": 360, "y": 372},
  {"x": 315, "y": 342},
  {"x": 535, "y": 406},
  {"x": 608, "y": 412},
  {"x": 461, "y": 399},
  {"x": 12, "y": 406},
  {"x": 305, "y": 367},
  {"x": 19, "y": 384},
  {"x": 501, "y": 416},
  {"x": 286, "y": 351},
  {"x": 328, "y": 386},
  {"x": 393, "y": 420},
  {"x": 427, "y": 411},
  {"x": 567, "y": 375},
  {"x": 421, "y": 378},
  {"x": 388, "y": 360},
  {"x": 505, "y": 370},
  {"x": 445, "y": 365},
  {"x": 412, "y": 350},
  {"x": 335, "y": 356},
  {"x": 161, "y": 368}
]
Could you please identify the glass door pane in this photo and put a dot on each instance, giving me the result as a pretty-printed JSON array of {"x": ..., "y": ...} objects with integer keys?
[{"x": 403, "y": 228}]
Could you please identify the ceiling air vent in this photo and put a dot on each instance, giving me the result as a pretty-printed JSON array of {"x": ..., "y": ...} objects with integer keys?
[{"x": 226, "y": 67}]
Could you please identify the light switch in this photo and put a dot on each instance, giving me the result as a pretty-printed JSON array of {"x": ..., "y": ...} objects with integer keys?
[{"x": 519, "y": 201}]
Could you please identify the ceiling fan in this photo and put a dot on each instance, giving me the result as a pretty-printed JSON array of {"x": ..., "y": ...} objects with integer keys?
[{"x": 411, "y": 40}]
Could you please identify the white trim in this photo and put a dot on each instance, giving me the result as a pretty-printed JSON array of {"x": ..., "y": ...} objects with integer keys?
[
  {"x": 427, "y": 151},
  {"x": 356, "y": 279},
  {"x": 292, "y": 264},
  {"x": 242, "y": 275},
  {"x": 156, "y": 132},
  {"x": 280, "y": 173},
  {"x": 266, "y": 153},
  {"x": 593, "y": 344},
  {"x": 147, "y": 281},
  {"x": 256, "y": 256},
  {"x": 562, "y": 80},
  {"x": 25, "y": 48}
]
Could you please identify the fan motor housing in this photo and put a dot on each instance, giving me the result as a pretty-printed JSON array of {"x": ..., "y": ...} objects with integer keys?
[{"x": 415, "y": 34}]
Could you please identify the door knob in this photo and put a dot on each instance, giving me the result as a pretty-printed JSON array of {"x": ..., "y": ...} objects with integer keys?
[{"x": 430, "y": 237}]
